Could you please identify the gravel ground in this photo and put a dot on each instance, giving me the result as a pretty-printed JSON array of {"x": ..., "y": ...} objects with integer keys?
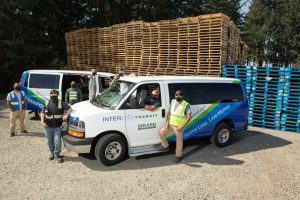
[{"x": 259, "y": 164}]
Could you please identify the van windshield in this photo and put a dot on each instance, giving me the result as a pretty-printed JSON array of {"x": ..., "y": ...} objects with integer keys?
[{"x": 112, "y": 96}]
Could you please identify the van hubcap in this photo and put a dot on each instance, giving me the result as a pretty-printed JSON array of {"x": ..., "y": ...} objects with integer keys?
[
  {"x": 223, "y": 136},
  {"x": 113, "y": 150}
]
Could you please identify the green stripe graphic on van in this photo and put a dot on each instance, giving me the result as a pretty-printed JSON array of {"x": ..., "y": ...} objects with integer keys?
[
  {"x": 34, "y": 95},
  {"x": 236, "y": 82},
  {"x": 198, "y": 118}
]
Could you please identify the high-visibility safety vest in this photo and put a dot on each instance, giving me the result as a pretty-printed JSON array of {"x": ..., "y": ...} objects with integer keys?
[
  {"x": 178, "y": 116},
  {"x": 56, "y": 117},
  {"x": 73, "y": 96},
  {"x": 15, "y": 101}
]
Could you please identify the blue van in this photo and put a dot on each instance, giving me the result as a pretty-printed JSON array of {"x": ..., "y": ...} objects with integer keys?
[{"x": 114, "y": 125}]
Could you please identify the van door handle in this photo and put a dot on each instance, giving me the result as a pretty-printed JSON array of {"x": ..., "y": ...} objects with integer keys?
[{"x": 163, "y": 113}]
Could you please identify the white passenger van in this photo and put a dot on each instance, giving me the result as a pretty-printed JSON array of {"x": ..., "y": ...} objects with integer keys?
[
  {"x": 115, "y": 125},
  {"x": 37, "y": 84}
]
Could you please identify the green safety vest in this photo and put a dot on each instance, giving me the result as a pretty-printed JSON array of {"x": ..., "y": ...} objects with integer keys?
[{"x": 178, "y": 116}]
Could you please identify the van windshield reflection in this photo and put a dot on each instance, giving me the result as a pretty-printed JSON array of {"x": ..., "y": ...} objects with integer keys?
[{"x": 112, "y": 96}]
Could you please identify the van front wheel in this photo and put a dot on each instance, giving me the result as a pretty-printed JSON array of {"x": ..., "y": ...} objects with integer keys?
[
  {"x": 110, "y": 149},
  {"x": 222, "y": 135}
]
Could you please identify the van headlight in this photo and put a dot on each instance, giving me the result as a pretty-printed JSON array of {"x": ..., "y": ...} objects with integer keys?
[{"x": 76, "y": 128}]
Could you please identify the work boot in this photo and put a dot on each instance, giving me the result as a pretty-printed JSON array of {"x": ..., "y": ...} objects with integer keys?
[
  {"x": 177, "y": 159},
  {"x": 12, "y": 134},
  {"x": 167, "y": 149},
  {"x": 24, "y": 131},
  {"x": 51, "y": 157},
  {"x": 59, "y": 159}
]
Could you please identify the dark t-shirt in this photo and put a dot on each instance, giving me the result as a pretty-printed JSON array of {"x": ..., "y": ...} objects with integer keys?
[
  {"x": 150, "y": 102},
  {"x": 52, "y": 109}
]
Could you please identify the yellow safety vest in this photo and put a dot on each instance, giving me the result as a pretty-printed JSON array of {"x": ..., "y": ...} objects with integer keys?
[{"x": 178, "y": 116}]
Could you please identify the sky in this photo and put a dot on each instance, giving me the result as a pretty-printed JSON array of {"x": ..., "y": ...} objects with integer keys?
[{"x": 245, "y": 8}]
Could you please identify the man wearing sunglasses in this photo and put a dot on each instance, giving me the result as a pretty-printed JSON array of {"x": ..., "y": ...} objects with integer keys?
[
  {"x": 178, "y": 116},
  {"x": 153, "y": 102}
]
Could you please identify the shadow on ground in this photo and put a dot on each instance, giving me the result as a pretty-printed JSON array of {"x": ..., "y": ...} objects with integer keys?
[{"x": 195, "y": 152}]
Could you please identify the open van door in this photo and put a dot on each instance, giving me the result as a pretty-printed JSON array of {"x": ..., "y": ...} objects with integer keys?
[{"x": 39, "y": 86}]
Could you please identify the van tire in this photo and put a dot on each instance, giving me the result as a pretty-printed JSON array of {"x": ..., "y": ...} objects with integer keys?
[
  {"x": 222, "y": 135},
  {"x": 110, "y": 149}
]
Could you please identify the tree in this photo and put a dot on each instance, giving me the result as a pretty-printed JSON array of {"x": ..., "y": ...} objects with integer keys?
[{"x": 272, "y": 31}]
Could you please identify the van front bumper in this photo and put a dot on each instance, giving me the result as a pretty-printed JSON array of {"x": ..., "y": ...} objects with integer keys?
[{"x": 77, "y": 145}]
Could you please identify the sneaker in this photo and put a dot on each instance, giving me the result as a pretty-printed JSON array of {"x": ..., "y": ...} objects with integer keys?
[
  {"x": 51, "y": 157},
  {"x": 25, "y": 131},
  {"x": 59, "y": 159},
  {"x": 12, "y": 134},
  {"x": 177, "y": 159}
]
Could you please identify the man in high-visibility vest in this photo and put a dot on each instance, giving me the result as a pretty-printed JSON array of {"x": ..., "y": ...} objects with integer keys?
[
  {"x": 52, "y": 117},
  {"x": 178, "y": 116},
  {"x": 17, "y": 103},
  {"x": 73, "y": 94}
]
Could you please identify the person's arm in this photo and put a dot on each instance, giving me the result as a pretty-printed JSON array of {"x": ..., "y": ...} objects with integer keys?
[
  {"x": 67, "y": 96},
  {"x": 25, "y": 101},
  {"x": 150, "y": 107},
  {"x": 167, "y": 125},
  {"x": 79, "y": 95},
  {"x": 8, "y": 102},
  {"x": 43, "y": 117},
  {"x": 153, "y": 107},
  {"x": 68, "y": 109}
]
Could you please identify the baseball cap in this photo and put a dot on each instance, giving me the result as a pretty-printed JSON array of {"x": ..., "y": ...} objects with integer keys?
[{"x": 53, "y": 91}]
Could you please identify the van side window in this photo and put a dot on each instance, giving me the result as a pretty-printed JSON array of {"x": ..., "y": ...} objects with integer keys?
[
  {"x": 194, "y": 93},
  {"x": 137, "y": 98},
  {"x": 45, "y": 81},
  {"x": 227, "y": 92}
]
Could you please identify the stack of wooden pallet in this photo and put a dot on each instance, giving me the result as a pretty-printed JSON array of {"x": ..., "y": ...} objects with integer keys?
[
  {"x": 118, "y": 46},
  {"x": 150, "y": 50},
  {"x": 186, "y": 46},
  {"x": 71, "y": 49},
  {"x": 168, "y": 45},
  {"x": 105, "y": 49},
  {"x": 134, "y": 45}
]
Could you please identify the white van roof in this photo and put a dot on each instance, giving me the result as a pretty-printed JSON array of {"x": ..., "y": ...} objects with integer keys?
[
  {"x": 69, "y": 72},
  {"x": 137, "y": 79}
]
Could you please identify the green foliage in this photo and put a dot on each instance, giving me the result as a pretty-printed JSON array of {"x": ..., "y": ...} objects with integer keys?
[
  {"x": 272, "y": 31},
  {"x": 32, "y": 32}
]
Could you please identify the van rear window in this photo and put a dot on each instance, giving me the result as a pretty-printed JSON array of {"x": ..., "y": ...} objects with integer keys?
[{"x": 45, "y": 81}]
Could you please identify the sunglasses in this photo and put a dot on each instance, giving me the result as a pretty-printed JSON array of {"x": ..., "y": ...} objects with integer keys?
[
  {"x": 154, "y": 95},
  {"x": 179, "y": 95}
]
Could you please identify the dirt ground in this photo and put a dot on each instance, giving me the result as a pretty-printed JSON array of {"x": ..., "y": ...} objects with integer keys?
[{"x": 259, "y": 164}]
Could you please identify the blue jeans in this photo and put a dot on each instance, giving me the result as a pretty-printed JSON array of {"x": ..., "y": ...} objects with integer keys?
[{"x": 53, "y": 136}]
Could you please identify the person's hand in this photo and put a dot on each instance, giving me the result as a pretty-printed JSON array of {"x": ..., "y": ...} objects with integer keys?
[
  {"x": 180, "y": 128},
  {"x": 12, "y": 110},
  {"x": 167, "y": 125},
  {"x": 43, "y": 124},
  {"x": 65, "y": 117}
]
